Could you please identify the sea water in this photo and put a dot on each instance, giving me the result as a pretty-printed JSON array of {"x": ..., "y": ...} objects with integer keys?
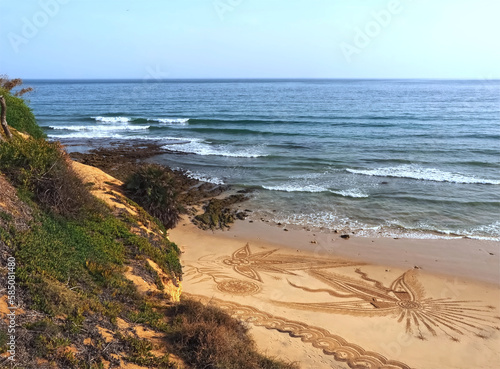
[{"x": 406, "y": 158}]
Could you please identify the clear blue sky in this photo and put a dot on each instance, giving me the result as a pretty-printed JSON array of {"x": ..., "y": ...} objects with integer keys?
[{"x": 250, "y": 38}]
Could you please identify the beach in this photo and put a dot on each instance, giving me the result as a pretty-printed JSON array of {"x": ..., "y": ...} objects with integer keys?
[{"x": 330, "y": 302}]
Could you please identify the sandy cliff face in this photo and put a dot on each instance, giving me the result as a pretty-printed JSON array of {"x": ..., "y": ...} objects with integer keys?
[{"x": 108, "y": 189}]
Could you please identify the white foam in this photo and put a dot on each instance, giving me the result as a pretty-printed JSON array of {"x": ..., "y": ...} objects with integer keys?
[
  {"x": 322, "y": 219},
  {"x": 421, "y": 173},
  {"x": 424, "y": 230},
  {"x": 296, "y": 188},
  {"x": 181, "y": 121},
  {"x": 492, "y": 230},
  {"x": 204, "y": 178},
  {"x": 112, "y": 119},
  {"x": 351, "y": 193},
  {"x": 100, "y": 128},
  {"x": 200, "y": 148},
  {"x": 87, "y": 135}
]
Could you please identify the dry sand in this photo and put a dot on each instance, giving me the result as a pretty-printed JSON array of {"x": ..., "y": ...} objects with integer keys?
[{"x": 327, "y": 302}]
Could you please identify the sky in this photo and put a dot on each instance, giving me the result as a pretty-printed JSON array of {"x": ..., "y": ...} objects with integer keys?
[{"x": 158, "y": 39}]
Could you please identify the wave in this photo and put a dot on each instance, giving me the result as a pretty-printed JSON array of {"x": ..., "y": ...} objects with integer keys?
[
  {"x": 97, "y": 135},
  {"x": 332, "y": 221},
  {"x": 425, "y": 174},
  {"x": 112, "y": 119},
  {"x": 203, "y": 177},
  {"x": 321, "y": 219},
  {"x": 125, "y": 119},
  {"x": 99, "y": 128},
  {"x": 355, "y": 193},
  {"x": 196, "y": 146},
  {"x": 296, "y": 188},
  {"x": 181, "y": 121},
  {"x": 351, "y": 193},
  {"x": 490, "y": 232},
  {"x": 115, "y": 136}
]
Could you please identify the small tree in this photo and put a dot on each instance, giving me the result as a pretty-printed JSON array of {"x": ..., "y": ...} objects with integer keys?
[
  {"x": 3, "y": 117},
  {"x": 8, "y": 84}
]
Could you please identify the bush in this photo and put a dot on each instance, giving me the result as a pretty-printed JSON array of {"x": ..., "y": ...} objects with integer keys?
[
  {"x": 153, "y": 187},
  {"x": 207, "y": 337},
  {"x": 42, "y": 168},
  {"x": 20, "y": 116}
]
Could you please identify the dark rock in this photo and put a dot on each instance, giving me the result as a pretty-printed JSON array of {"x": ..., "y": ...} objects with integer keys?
[
  {"x": 241, "y": 215},
  {"x": 345, "y": 236}
]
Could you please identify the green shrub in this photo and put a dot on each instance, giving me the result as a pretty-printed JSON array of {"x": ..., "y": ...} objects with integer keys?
[
  {"x": 42, "y": 168},
  {"x": 153, "y": 187},
  {"x": 20, "y": 116},
  {"x": 63, "y": 249},
  {"x": 164, "y": 253},
  {"x": 147, "y": 315},
  {"x": 139, "y": 351},
  {"x": 61, "y": 261}
]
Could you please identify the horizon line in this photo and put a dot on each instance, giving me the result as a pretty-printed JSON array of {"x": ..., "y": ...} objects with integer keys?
[{"x": 264, "y": 79}]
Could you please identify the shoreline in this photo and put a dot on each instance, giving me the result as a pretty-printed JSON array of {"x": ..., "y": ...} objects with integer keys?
[
  {"x": 463, "y": 257},
  {"x": 160, "y": 155},
  {"x": 476, "y": 260}
]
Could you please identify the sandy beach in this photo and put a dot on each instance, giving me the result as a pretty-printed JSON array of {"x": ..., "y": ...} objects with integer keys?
[{"x": 329, "y": 302}]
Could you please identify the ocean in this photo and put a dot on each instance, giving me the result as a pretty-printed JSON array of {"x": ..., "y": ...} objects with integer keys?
[{"x": 394, "y": 158}]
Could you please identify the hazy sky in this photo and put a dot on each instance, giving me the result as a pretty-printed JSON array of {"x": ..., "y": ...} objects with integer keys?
[{"x": 250, "y": 38}]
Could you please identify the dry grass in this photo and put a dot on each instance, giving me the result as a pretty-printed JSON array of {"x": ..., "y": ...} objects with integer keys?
[{"x": 208, "y": 338}]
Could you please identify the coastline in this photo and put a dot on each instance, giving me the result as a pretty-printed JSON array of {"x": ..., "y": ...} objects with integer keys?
[{"x": 463, "y": 257}]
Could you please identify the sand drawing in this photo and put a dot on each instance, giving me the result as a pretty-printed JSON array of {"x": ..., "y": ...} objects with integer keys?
[
  {"x": 223, "y": 282},
  {"x": 404, "y": 300},
  {"x": 244, "y": 274},
  {"x": 353, "y": 355},
  {"x": 250, "y": 265},
  {"x": 238, "y": 287}
]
